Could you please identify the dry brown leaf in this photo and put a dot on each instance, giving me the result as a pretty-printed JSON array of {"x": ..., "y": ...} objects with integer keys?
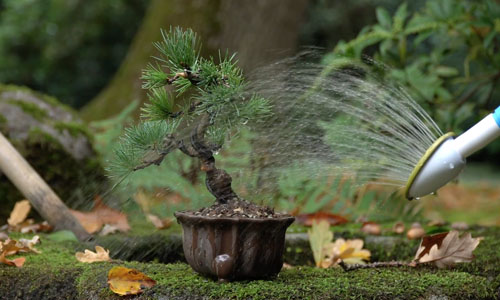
[
  {"x": 12, "y": 247},
  {"x": 109, "y": 229},
  {"x": 446, "y": 249},
  {"x": 125, "y": 281},
  {"x": 348, "y": 251},
  {"x": 460, "y": 226},
  {"x": 415, "y": 232},
  {"x": 159, "y": 223},
  {"x": 19, "y": 213},
  {"x": 35, "y": 228},
  {"x": 332, "y": 219},
  {"x": 88, "y": 256},
  {"x": 399, "y": 227},
  {"x": 101, "y": 214},
  {"x": 319, "y": 237},
  {"x": 18, "y": 262},
  {"x": 371, "y": 228},
  {"x": 287, "y": 266},
  {"x": 90, "y": 221},
  {"x": 30, "y": 243}
]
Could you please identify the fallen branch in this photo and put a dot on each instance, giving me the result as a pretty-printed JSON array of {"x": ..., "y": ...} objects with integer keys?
[{"x": 34, "y": 188}]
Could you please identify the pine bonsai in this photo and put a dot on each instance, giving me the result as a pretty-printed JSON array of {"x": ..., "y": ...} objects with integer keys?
[{"x": 217, "y": 106}]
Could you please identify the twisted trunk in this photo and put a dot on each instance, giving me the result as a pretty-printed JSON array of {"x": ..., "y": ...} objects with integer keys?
[{"x": 218, "y": 181}]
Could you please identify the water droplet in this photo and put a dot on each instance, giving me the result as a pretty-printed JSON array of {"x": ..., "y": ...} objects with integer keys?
[{"x": 452, "y": 166}]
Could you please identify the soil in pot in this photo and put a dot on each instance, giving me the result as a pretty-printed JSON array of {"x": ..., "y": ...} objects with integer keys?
[{"x": 235, "y": 240}]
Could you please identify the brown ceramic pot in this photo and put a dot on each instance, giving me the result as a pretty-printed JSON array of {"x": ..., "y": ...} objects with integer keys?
[{"x": 234, "y": 248}]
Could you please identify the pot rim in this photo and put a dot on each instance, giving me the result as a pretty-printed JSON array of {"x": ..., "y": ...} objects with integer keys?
[{"x": 188, "y": 216}]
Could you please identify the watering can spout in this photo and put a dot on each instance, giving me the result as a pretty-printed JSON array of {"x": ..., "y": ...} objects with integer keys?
[{"x": 445, "y": 159}]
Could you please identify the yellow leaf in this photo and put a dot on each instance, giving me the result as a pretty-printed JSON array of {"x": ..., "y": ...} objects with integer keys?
[
  {"x": 88, "y": 256},
  {"x": 348, "y": 251},
  {"x": 319, "y": 237},
  {"x": 125, "y": 281},
  {"x": 19, "y": 213}
]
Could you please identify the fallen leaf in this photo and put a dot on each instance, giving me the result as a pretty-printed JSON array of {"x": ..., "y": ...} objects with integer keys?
[
  {"x": 90, "y": 221},
  {"x": 125, "y": 281},
  {"x": 399, "y": 227},
  {"x": 437, "y": 222},
  {"x": 415, "y": 232},
  {"x": 319, "y": 237},
  {"x": 160, "y": 223},
  {"x": 88, "y": 256},
  {"x": 100, "y": 215},
  {"x": 331, "y": 219},
  {"x": 348, "y": 251},
  {"x": 18, "y": 262},
  {"x": 446, "y": 249},
  {"x": 109, "y": 229},
  {"x": 35, "y": 228},
  {"x": 460, "y": 226},
  {"x": 287, "y": 266},
  {"x": 19, "y": 213},
  {"x": 30, "y": 243},
  {"x": 13, "y": 247},
  {"x": 3, "y": 236},
  {"x": 371, "y": 228}
]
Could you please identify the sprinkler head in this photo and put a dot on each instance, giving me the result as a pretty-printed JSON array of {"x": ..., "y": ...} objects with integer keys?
[{"x": 440, "y": 164}]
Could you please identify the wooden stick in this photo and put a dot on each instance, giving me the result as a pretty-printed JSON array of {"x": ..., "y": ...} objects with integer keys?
[{"x": 34, "y": 188}]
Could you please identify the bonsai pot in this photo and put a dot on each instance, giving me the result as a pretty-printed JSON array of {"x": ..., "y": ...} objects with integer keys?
[{"x": 233, "y": 248}]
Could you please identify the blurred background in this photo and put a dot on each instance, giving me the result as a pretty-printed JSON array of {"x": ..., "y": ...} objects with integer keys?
[{"x": 89, "y": 55}]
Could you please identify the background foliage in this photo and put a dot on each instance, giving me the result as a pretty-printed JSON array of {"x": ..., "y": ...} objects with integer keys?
[
  {"x": 445, "y": 54},
  {"x": 66, "y": 48}
]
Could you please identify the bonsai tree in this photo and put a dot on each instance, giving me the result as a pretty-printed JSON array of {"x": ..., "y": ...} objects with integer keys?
[
  {"x": 232, "y": 239},
  {"x": 217, "y": 106}
]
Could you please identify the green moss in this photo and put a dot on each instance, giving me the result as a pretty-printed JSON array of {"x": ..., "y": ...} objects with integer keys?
[
  {"x": 56, "y": 270},
  {"x": 74, "y": 128},
  {"x": 49, "y": 99},
  {"x": 31, "y": 109},
  {"x": 3, "y": 122}
]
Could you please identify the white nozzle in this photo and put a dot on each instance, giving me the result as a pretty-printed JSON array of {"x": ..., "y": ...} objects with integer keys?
[
  {"x": 445, "y": 162},
  {"x": 442, "y": 166}
]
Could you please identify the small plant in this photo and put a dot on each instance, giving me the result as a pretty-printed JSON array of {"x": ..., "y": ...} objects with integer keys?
[
  {"x": 217, "y": 107},
  {"x": 232, "y": 239}
]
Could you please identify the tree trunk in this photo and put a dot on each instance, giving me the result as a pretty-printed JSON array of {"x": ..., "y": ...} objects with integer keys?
[{"x": 258, "y": 30}]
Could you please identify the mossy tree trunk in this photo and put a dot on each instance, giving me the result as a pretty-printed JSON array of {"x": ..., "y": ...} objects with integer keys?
[{"x": 258, "y": 30}]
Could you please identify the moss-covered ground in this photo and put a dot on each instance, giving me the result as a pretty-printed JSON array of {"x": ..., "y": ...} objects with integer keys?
[{"x": 56, "y": 274}]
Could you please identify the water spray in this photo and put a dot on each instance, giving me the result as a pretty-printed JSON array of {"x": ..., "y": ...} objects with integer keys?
[{"x": 443, "y": 161}]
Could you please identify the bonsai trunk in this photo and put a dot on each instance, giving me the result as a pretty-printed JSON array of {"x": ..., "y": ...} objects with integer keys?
[{"x": 218, "y": 181}]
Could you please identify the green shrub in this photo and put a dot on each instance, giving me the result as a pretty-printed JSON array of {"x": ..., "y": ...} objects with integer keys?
[
  {"x": 68, "y": 49},
  {"x": 444, "y": 54}
]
